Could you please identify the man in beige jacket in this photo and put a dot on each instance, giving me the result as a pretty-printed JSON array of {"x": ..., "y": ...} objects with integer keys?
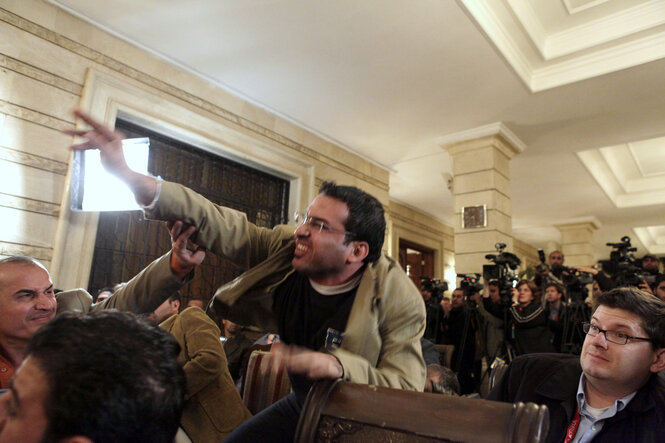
[{"x": 342, "y": 309}]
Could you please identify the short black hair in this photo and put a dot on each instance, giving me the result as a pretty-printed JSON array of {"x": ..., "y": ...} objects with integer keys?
[
  {"x": 112, "y": 377},
  {"x": 366, "y": 220},
  {"x": 659, "y": 278},
  {"x": 104, "y": 289},
  {"x": 649, "y": 308},
  {"x": 555, "y": 285},
  {"x": 448, "y": 383}
]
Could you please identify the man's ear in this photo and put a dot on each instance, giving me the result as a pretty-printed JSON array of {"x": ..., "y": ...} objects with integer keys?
[
  {"x": 76, "y": 439},
  {"x": 659, "y": 361},
  {"x": 359, "y": 252}
]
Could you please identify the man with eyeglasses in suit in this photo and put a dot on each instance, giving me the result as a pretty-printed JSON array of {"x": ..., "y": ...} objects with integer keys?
[
  {"x": 341, "y": 307},
  {"x": 612, "y": 392}
]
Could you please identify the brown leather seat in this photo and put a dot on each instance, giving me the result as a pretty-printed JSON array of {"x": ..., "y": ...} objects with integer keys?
[{"x": 349, "y": 412}]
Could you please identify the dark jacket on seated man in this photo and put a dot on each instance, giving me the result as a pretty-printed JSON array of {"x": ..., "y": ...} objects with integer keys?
[
  {"x": 612, "y": 391},
  {"x": 553, "y": 379}
]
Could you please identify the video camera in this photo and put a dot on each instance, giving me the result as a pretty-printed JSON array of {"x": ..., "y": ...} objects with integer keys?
[
  {"x": 624, "y": 267},
  {"x": 542, "y": 266},
  {"x": 575, "y": 282},
  {"x": 435, "y": 287},
  {"x": 502, "y": 271},
  {"x": 469, "y": 283}
]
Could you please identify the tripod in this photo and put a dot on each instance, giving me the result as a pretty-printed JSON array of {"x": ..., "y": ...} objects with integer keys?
[
  {"x": 464, "y": 361},
  {"x": 495, "y": 344},
  {"x": 573, "y": 336}
]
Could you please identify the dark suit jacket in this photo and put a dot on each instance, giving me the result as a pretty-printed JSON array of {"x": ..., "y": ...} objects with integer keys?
[
  {"x": 552, "y": 380},
  {"x": 213, "y": 407}
]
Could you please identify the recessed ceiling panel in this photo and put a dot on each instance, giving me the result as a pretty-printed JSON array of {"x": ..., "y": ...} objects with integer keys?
[
  {"x": 630, "y": 174},
  {"x": 652, "y": 237},
  {"x": 650, "y": 156},
  {"x": 548, "y": 46}
]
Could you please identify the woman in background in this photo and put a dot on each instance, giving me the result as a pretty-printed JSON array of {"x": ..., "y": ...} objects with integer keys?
[{"x": 529, "y": 330}]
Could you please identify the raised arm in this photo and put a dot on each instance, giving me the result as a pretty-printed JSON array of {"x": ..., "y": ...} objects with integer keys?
[
  {"x": 161, "y": 278},
  {"x": 109, "y": 144},
  {"x": 221, "y": 230}
]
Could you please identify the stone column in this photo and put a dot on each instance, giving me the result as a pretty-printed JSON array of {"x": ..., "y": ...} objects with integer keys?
[
  {"x": 481, "y": 168},
  {"x": 577, "y": 241}
]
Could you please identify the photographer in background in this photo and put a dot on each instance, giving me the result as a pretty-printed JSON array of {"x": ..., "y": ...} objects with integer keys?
[
  {"x": 659, "y": 287},
  {"x": 651, "y": 270},
  {"x": 529, "y": 324},
  {"x": 459, "y": 327},
  {"x": 492, "y": 318},
  {"x": 603, "y": 281},
  {"x": 625, "y": 269},
  {"x": 555, "y": 311},
  {"x": 432, "y": 292},
  {"x": 651, "y": 264},
  {"x": 549, "y": 274}
]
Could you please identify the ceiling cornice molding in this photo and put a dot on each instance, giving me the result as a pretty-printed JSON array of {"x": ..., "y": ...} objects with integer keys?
[
  {"x": 582, "y": 5},
  {"x": 501, "y": 37},
  {"x": 544, "y": 68},
  {"x": 601, "y": 62},
  {"x": 532, "y": 24},
  {"x": 605, "y": 167},
  {"x": 606, "y": 29},
  {"x": 653, "y": 243}
]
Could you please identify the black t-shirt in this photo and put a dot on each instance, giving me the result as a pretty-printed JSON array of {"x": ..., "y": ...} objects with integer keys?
[{"x": 304, "y": 317}]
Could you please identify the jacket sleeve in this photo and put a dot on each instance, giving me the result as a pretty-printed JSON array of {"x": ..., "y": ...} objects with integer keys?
[
  {"x": 205, "y": 354},
  {"x": 401, "y": 324},
  {"x": 73, "y": 300},
  {"x": 221, "y": 230},
  {"x": 488, "y": 317},
  {"x": 146, "y": 291}
]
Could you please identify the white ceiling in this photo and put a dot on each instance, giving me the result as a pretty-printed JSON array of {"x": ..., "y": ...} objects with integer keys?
[{"x": 581, "y": 83}]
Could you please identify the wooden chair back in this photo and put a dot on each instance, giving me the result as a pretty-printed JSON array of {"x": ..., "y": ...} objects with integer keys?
[{"x": 349, "y": 412}]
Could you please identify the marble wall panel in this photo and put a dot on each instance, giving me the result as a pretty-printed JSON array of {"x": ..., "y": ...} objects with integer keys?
[
  {"x": 27, "y": 228},
  {"x": 29, "y": 137},
  {"x": 28, "y": 93},
  {"x": 30, "y": 182}
]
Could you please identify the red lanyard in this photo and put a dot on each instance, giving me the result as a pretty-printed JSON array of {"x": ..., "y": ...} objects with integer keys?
[{"x": 572, "y": 427}]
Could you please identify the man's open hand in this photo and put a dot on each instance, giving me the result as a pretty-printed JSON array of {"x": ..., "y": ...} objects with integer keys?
[{"x": 101, "y": 137}]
